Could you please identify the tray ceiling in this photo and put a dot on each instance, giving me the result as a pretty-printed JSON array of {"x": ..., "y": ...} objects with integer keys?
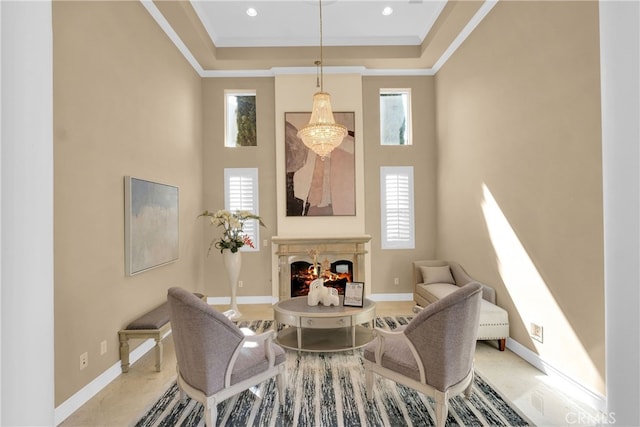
[{"x": 219, "y": 34}]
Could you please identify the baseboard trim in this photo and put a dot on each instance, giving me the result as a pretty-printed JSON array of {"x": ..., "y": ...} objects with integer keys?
[
  {"x": 391, "y": 297},
  {"x": 273, "y": 300},
  {"x": 267, "y": 299},
  {"x": 575, "y": 389},
  {"x": 85, "y": 394}
]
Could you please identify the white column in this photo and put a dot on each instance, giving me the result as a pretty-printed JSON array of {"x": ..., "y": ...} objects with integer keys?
[
  {"x": 26, "y": 257},
  {"x": 619, "y": 58}
]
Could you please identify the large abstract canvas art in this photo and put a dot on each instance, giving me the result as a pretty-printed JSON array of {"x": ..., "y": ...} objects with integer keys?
[
  {"x": 317, "y": 187},
  {"x": 151, "y": 224}
]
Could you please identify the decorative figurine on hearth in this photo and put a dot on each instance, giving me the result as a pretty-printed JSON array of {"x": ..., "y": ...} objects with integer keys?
[{"x": 318, "y": 293}]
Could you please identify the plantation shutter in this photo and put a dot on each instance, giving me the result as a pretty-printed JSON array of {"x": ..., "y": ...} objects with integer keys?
[
  {"x": 241, "y": 193},
  {"x": 397, "y": 221}
]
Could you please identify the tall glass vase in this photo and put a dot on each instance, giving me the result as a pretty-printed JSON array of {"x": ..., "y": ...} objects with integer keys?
[{"x": 233, "y": 263}]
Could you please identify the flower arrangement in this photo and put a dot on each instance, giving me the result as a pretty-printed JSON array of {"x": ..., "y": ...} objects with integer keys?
[{"x": 232, "y": 223}]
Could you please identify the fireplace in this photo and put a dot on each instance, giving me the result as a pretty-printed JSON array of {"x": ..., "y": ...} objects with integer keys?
[
  {"x": 337, "y": 259},
  {"x": 335, "y": 275}
]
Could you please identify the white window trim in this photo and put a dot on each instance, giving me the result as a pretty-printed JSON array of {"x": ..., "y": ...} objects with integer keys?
[
  {"x": 252, "y": 174},
  {"x": 409, "y": 241},
  {"x": 227, "y": 113},
  {"x": 409, "y": 129}
]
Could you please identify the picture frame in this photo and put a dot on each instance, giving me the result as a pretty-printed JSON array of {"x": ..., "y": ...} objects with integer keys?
[
  {"x": 353, "y": 294},
  {"x": 151, "y": 224},
  {"x": 316, "y": 187}
]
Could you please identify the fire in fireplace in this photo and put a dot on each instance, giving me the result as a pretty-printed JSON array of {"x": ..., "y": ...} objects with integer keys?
[{"x": 335, "y": 275}]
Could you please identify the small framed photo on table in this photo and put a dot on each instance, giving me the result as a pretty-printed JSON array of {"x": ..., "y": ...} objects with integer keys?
[{"x": 354, "y": 294}]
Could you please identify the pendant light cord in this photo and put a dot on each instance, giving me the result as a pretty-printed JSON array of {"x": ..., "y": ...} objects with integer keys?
[{"x": 321, "y": 72}]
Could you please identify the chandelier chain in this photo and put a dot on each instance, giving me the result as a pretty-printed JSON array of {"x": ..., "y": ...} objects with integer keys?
[
  {"x": 322, "y": 134},
  {"x": 321, "y": 72}
]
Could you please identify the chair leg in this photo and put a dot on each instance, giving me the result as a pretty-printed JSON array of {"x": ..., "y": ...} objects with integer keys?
[
  {"x": 469, "y": 390},
  {"x": 211, "y": 413},
  {"x": 281, "y": 381},
  {"x": 368, "y": 381},
  {"x": 442, "y": 408},
  {"x": 502, "y": 343}
]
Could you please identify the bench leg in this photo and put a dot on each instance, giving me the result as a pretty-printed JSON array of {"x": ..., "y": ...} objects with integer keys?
[
  {"x": 502, "y": 343},
  {"x": 158, "y": 351},
  {"x": 124, "y": 354}
]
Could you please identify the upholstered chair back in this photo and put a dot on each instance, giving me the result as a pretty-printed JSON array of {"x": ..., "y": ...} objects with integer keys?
[
  {"x": 444, "y": 336},
  {"x": 204, "y": 339}
]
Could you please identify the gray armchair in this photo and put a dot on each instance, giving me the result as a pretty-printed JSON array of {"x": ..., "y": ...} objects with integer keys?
[
  {"x": 434, "y": 352},
  {"x": 215, "y": 359}
]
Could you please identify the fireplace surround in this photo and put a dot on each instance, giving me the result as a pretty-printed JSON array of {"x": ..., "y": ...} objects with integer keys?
[{"x": 329, "y": 250}]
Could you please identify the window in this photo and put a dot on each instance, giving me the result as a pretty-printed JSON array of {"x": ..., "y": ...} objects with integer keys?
[
  {"x": 240, "y": 118},
  {"x": 395, "y": 117},
  {"x": 241, "y": 193},
  {"x": 396, "y": 207}
]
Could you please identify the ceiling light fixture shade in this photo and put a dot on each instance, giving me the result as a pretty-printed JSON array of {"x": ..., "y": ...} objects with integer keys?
[{"x": 322, "y": 134}]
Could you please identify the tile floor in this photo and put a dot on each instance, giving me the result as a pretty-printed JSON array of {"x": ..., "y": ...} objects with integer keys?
[{"x": 127, "y": 397}]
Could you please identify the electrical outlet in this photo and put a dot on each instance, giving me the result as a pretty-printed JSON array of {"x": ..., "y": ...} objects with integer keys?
[
  {"x": 265, "y": 242},
  {"x": 240, "y": 283},
  {"x": 536, "y": 332},
  {"x": 537, "y": 401},
  {"x": 396, "y": 280},
  {"x": 103, "y": 347},
  {"x": 84, "y": 360}
]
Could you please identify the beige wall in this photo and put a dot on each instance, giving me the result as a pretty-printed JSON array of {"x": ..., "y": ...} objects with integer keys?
[
  {"x": 125, "y": 103},
  {"x": 520, "y": 176},
  {"x": 256, "y": 266},
  {"x": 390, "y": 264}
]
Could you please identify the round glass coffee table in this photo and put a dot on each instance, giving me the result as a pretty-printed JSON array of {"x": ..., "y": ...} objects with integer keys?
[{"x": 320, "y": 328}]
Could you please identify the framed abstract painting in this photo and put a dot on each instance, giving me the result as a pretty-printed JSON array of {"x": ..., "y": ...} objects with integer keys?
[
  {"x": 317, "y": 187},
  {"x": 151, "y": 224}
]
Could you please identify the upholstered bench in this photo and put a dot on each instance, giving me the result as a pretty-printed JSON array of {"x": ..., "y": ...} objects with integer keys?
[
  {"x": 152, "y": 324},
  {"x": 435, "y": 279}
]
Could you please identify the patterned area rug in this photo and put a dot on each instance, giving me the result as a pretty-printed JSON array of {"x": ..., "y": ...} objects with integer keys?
[{"x": 327, "y": 389}]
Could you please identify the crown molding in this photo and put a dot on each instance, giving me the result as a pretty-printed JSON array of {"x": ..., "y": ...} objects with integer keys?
[
  {"x": 278, "y": 71},
  {"x": 173, "y": 36},
  {"x": 466, "y": 31}
]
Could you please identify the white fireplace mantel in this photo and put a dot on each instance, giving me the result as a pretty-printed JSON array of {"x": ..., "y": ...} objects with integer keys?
[{"x": 289, "y": 249}]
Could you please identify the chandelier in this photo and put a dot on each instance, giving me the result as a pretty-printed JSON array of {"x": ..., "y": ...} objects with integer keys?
[{"x": 322, "y": 134}]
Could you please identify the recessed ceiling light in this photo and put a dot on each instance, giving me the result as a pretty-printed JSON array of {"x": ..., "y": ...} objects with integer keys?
[
  {"x": 387, "y": 11},
  {"x": 252, "y": 12}
]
